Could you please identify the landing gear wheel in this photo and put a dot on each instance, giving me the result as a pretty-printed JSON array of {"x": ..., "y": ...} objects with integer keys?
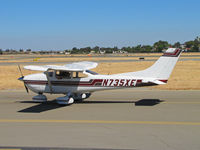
[
  {"x": 66, "y": 100},
  {"x": 81, "y": 97},
  {"x": 39, "y": 98}
]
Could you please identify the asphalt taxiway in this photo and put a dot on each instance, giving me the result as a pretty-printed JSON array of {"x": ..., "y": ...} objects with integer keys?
[{"x": 119, "y": 119}]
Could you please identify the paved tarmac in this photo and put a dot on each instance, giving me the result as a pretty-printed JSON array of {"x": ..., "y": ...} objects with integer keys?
[{"x": 119, "y": 119}]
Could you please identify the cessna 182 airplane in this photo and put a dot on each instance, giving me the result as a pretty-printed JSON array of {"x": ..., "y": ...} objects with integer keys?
[{"x": 66, "y": 79}]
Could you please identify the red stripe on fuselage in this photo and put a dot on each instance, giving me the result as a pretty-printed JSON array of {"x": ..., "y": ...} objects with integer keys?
[
  {"x": 67, "y": 83},
  {"x": 93, "y": 82}
]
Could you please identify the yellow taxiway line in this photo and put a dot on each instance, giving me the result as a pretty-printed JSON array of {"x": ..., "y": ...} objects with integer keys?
[
  {"x": 99, "y": 122},
  {"x": 10, "y": 149}
]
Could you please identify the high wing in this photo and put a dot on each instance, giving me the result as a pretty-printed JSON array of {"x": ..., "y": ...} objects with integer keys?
[{"x": 77, "y": 66}]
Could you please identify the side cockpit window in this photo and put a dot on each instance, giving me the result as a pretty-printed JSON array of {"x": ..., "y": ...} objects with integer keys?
[
  {"x": 63, "y": 74},
  {"x": 69, "y": 75}
]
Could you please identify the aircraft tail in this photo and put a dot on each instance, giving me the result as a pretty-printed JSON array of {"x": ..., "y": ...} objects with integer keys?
[{"x": 161, "y": 69}]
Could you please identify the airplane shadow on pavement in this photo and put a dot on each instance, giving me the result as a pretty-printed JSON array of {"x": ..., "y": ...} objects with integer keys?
[
  {"x": 50, "y": 105},
  {"x": 142, "y": 102},
  {"x": 41, "y": 107},
  {"x": 148, "y": 102}
]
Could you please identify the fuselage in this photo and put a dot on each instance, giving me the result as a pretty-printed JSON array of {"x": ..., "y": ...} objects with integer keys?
[{"x": 38, "y": 83}]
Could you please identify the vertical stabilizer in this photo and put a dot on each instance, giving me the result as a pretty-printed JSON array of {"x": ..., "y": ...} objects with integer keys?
[{"x": 162, "y": 68}]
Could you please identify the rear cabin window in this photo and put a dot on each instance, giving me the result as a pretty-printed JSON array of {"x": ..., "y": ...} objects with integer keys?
[{"x": 79, "y": 75}]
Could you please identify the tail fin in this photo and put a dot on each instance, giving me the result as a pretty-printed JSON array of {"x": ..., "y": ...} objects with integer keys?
[{"x": 162, "y": 68}]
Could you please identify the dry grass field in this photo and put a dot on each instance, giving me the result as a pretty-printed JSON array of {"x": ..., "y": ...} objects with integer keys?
[
  {"x": 186, "y": 75},
  {"x": 69, "y": 58}
]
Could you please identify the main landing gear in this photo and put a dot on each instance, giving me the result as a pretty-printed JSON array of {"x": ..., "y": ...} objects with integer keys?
[
  {"x": 65, "y": 100},
  {"x": 80, "y": 97}
]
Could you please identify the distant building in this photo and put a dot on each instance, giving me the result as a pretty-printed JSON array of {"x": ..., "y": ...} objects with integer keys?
[
  {"x": 102, "y": 52},
  {"x": 67, "y": 53},
  {"x": 120, "y": 52},
  {"x": 92, "y": 52},
  {"x": 182, "y": 46}
]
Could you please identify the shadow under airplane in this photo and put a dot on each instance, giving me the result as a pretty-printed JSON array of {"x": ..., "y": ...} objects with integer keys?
[
  {"x": 41, "y": 107},
  {"x": 148, "y": 102},
  {"x": 50, "y": 105}
]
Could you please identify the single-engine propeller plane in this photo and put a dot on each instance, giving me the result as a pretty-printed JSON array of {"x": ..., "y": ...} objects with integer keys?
[{"x": 68, "y": 79}]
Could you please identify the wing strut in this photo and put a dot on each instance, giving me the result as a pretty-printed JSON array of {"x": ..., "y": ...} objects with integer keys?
[{"x": 49, "y": 81}]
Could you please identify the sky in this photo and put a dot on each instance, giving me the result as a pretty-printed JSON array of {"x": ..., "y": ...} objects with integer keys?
[{"x": 64, "y": 24}]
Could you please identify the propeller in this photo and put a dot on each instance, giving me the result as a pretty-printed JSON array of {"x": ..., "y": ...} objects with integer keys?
[
  {"x": 26, "y": 88},
  {"x": 21, "y": 78},
  {"x": 20, "y": 71}
]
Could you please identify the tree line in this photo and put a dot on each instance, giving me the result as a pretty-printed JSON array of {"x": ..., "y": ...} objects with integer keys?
[{"x": 191, "y": 46}]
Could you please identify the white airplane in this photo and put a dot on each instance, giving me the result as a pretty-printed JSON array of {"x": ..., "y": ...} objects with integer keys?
[{"x": 66, "y": 79}]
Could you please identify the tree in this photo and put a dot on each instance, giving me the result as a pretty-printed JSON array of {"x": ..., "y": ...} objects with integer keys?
[
  {"x": 195, "y": 47},
  {"x": 1, "y": 52},
  {"x": 21, "y": 50},
  {"x": 198, "y": 39},
  {"x": 137, "y": 48},
  {"x": 146, "y": 48},
  {"x": 85, "y": 50},
  {"x": 189, "y": 44},
  {"x": 96, "y": 49},
  {"x": 74, "y": 50},
  {"x": 160, "y": 45},
  {"x": 115, "y": 48},
  {"x": 28, "y": 50},
  {"x": 177, "y": 45}
]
